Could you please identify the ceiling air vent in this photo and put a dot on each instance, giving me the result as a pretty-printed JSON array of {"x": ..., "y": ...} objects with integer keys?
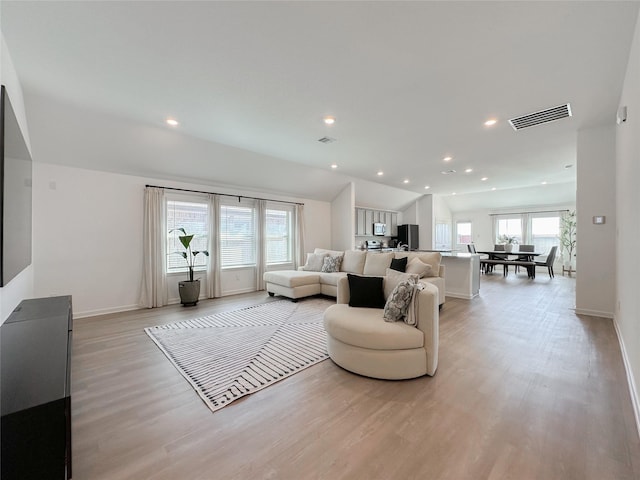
[
  {"x": 543, "y": 116},
  {"x": 326, "y": 140}
]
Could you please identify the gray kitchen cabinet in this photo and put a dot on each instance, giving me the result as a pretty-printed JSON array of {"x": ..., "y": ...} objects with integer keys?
[
  {"x": 368, "y": 226},
  {"x": 360, "y": 221}
]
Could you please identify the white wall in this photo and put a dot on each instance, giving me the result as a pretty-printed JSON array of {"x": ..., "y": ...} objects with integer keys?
[
  {"x": 627, "y": 317},
  {"x": 88, "y": 237},
  {"x": 595, "y": 244},
  {"x": 21, "y": 286},
  {"x": 343, "y": 222},
  {"x": 426, "y": 222}
]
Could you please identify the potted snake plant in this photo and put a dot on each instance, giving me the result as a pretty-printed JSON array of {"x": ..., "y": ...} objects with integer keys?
[{"x": 189, "y": 289}]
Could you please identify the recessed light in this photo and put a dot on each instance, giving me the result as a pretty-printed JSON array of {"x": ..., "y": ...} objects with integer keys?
[
  {"x": 173, "y": 122},
  {"x": 380, "y": 173},
  {"x": 453, "y": 193},
  {"x": 490, "y": 122},
  {"x": 334, "y": 166},
  {"x": 544, "y": 183},
  {"x": 406, "y": 180},
  {"x": 493, "y": 188},
  {"x": 447, "y": 159},
  {"x": 484, "y": 179},
  {"x": 468, "y": 170},
  {"x": 328, "y": 120},
  {"x": 427, "y": 187}
]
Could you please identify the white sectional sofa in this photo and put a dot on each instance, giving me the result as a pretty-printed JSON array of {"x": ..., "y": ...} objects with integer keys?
[{"x": 296, "y": 284}]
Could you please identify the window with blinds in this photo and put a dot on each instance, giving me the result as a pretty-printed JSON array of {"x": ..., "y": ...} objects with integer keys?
[
  {"x": 545, "y": 232},
  {"x": 193, "y": 217},
  {"x": 237, "y": 235},
  {"x": 278, "y": 231},
  {"x": 511, "y": 227}
]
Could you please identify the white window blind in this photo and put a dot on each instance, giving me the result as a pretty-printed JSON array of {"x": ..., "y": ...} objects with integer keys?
[
  {"x": 237, "y": 235},
  {"x": 545, "y": 232},
  {"x": 278, "y": 228},
  {"x": 193, "y": 217},
  {"x": 511, "y": 227}
]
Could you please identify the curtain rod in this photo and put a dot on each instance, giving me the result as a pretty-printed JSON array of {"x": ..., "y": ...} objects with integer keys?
[
  {"x": 522, "y": 213},
  {"x": 223, "y": 194}
]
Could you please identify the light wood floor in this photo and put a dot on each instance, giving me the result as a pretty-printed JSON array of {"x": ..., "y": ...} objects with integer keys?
[{"x": 525, "y": 389}]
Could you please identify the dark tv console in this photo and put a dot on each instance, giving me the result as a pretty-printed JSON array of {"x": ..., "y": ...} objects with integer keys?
[{"x": 35, "y": 370}]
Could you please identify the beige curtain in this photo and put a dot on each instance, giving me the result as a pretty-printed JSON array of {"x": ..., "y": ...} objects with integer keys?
[
  {"x": 299, "y": 254},
  {"x": 261, "y": 245},
  {"x": 154, "y": 255},
  {"x": 213, "y": 267}
]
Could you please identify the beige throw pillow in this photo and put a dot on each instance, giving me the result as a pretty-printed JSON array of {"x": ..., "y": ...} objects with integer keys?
[
  {"x": 419, "y": 268},
  {"x": 392, "y": 278}
]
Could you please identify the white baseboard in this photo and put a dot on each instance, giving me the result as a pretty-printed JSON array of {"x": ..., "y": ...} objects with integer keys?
[
  {"x": 593, "y": 313},
  {"x": 226, "y": 293},
  {"x": 633, "y": 389},
  {"x": 105, "y": 311},
  {"x": 465, "y": 296}
]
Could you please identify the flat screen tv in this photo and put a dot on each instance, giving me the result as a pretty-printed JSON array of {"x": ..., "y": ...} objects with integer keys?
[{"x": 15, "y": 195}]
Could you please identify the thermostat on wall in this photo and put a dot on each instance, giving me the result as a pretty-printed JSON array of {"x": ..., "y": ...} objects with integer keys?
[{"x": 598, "y": 220}]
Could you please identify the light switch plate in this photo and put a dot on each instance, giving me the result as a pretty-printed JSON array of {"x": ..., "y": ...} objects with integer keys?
[{"x": 599, "y": 220}]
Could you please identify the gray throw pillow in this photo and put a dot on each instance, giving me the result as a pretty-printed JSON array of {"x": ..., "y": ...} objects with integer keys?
[
  {"x": 395, "y": 310},
  {"x": 314, "y": 262},
  {"x": 331, "y": 263}
]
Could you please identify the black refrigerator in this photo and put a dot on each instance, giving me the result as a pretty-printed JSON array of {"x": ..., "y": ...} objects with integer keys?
[{"x": 408, "y": 235}]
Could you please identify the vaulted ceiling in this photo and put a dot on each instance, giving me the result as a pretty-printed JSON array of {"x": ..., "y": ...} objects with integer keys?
[{"x": 409, "y": 83}]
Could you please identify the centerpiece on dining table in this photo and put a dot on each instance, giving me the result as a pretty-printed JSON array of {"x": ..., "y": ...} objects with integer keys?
[{"x": 508, "y": 241}]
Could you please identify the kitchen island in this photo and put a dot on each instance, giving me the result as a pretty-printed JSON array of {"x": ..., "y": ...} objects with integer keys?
[{"x": 462, "y": 275}]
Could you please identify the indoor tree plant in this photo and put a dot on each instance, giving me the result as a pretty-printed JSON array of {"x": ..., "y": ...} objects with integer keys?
[
  {"x": 189, "y": 289},
  {"x": 509, "y": 241},
  {"x": 568, "y": 225}
]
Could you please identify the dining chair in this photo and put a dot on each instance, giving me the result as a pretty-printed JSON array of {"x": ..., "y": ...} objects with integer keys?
[
  {"x": 549, "y": 261},
  {"x": 525, "y": 258},
  {"x": 499, "y": 248}
]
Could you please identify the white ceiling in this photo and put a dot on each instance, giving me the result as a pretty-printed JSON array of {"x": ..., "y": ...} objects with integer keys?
[{"x": 409, "y": 82}]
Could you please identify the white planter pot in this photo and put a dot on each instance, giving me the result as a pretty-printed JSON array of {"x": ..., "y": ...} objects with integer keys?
[{"x": 508, "y": 247}]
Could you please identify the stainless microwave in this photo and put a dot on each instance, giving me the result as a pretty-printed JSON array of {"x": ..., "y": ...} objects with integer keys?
[{"x": 379, "y": 228}]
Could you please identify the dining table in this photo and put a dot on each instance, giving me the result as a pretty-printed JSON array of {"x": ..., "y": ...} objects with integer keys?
[{"x": 501, "y": 257}]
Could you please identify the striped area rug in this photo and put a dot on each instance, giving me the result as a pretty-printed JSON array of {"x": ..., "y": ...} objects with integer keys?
[{"x": 229, "y": 355}]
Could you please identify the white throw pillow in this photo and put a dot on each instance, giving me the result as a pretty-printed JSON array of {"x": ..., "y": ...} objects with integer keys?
[
  {"x": 314, "y": 262},
  {"x": 419, "y": 268},
  {"x": 392, "y": 278}
]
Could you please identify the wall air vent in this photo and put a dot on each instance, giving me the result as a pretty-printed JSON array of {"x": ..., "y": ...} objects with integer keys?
[
  {"x": 326, "y": 140},
  {"x": 543, "y": 116}
]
